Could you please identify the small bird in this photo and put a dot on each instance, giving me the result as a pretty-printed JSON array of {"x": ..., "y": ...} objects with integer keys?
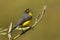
[{"x": 25, "y": 20}]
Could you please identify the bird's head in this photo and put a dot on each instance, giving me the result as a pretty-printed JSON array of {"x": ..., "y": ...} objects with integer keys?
[{"x": 28, "y": 10}]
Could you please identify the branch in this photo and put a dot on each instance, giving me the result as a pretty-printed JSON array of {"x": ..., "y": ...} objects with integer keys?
[
  {"x": 9, "y": 34},
  {"x": 38, "y": 19}
]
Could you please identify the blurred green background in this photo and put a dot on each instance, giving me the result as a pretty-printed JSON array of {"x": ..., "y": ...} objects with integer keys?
[{"x": 47, "y": 29}]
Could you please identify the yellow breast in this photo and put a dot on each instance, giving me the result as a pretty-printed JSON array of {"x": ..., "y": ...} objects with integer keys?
[
  {"x": 30, "y": 13},
  {"x": 27, "y": 23}
]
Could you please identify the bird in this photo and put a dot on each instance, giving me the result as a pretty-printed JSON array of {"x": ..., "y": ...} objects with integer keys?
[{"x": 25, "y": 20}]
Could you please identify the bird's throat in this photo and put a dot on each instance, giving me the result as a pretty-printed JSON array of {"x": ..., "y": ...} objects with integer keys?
[{"x": 30, "y": 13}]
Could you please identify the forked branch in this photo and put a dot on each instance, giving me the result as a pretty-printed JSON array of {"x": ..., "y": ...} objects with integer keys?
[{"x": 38, "y": 19}]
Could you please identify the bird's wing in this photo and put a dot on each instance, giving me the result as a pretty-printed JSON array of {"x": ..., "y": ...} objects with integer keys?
[{"x": 24, "y": 19}]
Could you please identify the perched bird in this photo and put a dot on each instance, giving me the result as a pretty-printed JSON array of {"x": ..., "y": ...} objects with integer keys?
[{"x": 25, "y": 20}]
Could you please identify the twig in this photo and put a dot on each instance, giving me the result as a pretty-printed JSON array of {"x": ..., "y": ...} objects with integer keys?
[
  {"x": 9, "y": 34},
  {"x": 39, "y": 17}
]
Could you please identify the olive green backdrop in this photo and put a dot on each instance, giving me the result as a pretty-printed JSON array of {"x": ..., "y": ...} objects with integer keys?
[{"x": 47, "y": 29}]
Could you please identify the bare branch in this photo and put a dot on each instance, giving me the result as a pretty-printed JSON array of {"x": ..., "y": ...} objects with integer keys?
[
  {"x": 9, "y": 34},
  {"x": 35, "y": 23},
  {"x": 39, "y": 17}
]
